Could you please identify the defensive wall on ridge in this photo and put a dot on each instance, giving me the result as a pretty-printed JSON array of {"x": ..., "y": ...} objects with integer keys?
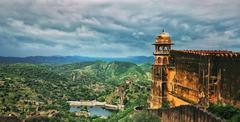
[{"x": 185, "y": 113}]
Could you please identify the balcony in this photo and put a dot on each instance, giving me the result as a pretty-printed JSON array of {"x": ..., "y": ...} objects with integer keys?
[{"x": 161, "y": 52}]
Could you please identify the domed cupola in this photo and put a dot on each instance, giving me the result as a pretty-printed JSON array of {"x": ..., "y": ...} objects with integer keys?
[{"x": 163, "y": 38}]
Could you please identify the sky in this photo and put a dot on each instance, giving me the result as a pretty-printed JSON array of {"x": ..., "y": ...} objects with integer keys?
[{"x": 115, "y": 28}]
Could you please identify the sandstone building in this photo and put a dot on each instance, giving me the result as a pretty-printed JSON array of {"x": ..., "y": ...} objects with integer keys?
[{"x": 199, "y": 77}]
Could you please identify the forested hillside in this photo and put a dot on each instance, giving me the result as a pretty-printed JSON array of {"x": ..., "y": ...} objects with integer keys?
[{"x": 27, "y": 89}]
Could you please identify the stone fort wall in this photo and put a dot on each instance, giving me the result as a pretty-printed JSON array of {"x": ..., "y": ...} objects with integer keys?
[
  {"x": 185, "y": 113},
  {"x": 203, "y": 77}
]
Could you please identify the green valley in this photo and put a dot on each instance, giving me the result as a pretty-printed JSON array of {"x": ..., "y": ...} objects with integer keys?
[{"x": 40, "y": 91}]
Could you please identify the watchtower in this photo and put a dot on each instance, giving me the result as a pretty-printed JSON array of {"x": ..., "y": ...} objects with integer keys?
[{"x": 161, "y": 54}]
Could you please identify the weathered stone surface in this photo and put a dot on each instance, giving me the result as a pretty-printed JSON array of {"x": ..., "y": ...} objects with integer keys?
[{"x": 206, "y": 76}]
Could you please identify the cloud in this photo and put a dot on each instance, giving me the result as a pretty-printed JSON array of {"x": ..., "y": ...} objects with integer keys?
[
  {"x": 115, "y": 28},
  {"x": 137, "y": 34}
]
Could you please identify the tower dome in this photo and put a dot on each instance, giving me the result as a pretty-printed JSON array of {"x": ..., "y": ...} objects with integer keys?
[{"x": 163, "y": 38}]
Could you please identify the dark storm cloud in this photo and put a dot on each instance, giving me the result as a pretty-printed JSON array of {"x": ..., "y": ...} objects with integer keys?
[{"x": 115, "y": 28}]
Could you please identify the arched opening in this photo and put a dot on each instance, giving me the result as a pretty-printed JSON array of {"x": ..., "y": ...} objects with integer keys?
[
  {"x": 165, "y": 60},
  {"x": 159, "y": 60}
]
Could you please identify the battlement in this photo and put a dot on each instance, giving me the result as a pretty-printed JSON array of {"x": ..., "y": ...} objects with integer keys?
[{"x": 218, "y": 53}]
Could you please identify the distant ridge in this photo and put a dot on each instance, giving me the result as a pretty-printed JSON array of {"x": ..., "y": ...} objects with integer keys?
[{"x": 71, "y": 59}]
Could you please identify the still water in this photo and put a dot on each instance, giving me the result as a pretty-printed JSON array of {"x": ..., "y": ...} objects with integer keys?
[{"x": 94, "y": 111}]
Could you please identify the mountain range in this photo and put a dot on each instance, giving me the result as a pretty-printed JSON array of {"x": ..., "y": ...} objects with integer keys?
[{"x": 71, "y": 59}]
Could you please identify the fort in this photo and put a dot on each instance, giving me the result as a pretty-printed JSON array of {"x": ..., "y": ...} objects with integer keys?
[{"x": 193, "y": 77}]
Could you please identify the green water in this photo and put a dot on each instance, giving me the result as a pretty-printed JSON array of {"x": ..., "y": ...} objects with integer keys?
[{"x": 94, "y": 111}]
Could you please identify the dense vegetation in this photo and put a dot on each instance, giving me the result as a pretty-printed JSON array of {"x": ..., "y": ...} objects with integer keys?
[
  {"x": 30, "y": 88},
  {"x": 227, "y": 112}
]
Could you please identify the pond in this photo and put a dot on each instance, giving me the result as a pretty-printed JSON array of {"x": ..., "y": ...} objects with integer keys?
[{"x": 94, "y": 111}]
